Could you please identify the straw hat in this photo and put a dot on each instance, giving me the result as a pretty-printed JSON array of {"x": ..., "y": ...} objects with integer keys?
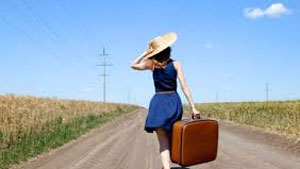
[{"x": 160, "y": 43}]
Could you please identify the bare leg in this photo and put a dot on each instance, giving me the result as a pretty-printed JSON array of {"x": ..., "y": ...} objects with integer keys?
[{"x": 164, "y": 146}]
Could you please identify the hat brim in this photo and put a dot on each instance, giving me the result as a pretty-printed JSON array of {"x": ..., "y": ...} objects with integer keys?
[{"x": 170, "y": 39}]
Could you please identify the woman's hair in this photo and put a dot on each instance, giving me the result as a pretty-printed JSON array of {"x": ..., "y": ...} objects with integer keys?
[{"x": 160, "y": 59}]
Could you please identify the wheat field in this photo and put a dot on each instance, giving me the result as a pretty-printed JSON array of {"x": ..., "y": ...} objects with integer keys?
[
  {"x": 21, "y": 115},
  {"x": 282, "y": 117},
  {"x": 31, "y": 125}
]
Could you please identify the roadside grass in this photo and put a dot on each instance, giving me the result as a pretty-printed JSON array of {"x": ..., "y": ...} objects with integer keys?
[{"x": 53, "y": 134}]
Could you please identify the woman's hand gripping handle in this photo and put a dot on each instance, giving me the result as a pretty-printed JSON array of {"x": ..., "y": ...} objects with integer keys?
[{"x": 196, "y": 114}]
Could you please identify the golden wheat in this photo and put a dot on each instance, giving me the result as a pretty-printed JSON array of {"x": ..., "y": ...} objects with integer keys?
[
  {"x": 282, "y": 117},
  {"x": 22, "y": 115}
]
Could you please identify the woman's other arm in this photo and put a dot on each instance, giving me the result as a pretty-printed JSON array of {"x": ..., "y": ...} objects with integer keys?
[{"x": 184, "y": 87}]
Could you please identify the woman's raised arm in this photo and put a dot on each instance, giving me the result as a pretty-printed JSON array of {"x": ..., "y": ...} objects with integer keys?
[{"x": 139, "y": 63}]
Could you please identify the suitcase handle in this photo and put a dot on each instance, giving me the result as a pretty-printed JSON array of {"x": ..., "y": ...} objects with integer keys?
[
  {"x": 193, "y": 118},
  {"x": 196, "y": 117}
]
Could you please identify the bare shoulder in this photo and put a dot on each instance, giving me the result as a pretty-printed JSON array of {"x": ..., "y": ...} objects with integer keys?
[{"x": 177, "y": 64}]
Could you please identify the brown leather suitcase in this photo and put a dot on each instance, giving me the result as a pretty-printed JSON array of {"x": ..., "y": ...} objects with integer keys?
[{"x": 194, "y": 141}]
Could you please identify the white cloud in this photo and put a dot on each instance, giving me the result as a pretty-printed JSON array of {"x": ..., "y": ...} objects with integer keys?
[
  {"x": 276, "y": 10},
  {"x": 254, "y": 13},
  {"x": 208, "y": 45}
]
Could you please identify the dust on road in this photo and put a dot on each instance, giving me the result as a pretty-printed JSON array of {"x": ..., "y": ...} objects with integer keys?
[{"x": 123, "y": 144}]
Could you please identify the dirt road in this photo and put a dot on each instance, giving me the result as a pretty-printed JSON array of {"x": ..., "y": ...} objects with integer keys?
[{"x": 123, "y": 144}]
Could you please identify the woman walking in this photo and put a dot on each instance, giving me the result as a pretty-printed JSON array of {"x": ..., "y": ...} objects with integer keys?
[{"x": 165, "y": 106}]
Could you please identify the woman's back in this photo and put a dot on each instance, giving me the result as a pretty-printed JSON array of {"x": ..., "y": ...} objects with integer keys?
[{"x": 165, "y": 78}]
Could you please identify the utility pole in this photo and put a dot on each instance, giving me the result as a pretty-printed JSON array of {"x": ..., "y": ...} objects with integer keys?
[
  {"x": 217, "y": 97},
  {"x": 267, "y": 92},
  {"x": 104, "y": 74},
  {"x": 128, "y": 97}
]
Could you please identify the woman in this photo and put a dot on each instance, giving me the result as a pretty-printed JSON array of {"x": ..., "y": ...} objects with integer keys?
[{"x": 165, "y": 107}]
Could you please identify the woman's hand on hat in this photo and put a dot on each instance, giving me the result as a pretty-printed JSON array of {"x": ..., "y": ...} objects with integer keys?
[{"x": 148, "y": 51}]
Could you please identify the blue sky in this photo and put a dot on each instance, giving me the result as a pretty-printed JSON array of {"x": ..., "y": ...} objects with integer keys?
[{"x": 51, "y": 47}]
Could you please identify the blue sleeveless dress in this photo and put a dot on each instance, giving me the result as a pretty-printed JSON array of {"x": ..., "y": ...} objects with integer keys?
[{"x": 165, "y": 108}]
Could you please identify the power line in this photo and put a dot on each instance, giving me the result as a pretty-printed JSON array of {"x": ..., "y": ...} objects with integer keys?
[
  {"x": 40, "y": 19},
  {"x": 104, "y": 74},
  {"x": 80, "y": 28},
  {"x": 71, "y": 18},
  {"x": 26, "y": 35},
  {"x": 15, "y": 27}
]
